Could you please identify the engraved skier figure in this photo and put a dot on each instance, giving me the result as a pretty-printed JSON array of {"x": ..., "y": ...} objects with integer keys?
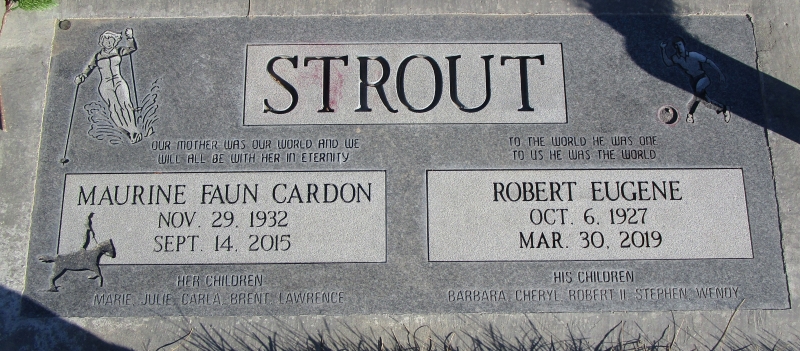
[
  {"x": 693, "y": 63},
  {"x": 113, "y": 88}
]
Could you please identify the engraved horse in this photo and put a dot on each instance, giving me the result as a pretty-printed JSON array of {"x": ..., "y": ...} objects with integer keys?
[{"x": 81, "y": 260}]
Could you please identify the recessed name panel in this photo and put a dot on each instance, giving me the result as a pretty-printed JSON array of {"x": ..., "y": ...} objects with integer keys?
[
  {"x": 216, "y": 218},
  {"x": 404, "y": 84},
  {"x": 630, "y": 214}
]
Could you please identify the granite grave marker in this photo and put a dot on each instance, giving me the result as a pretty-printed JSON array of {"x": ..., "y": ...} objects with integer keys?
[{"x": 431, "y": 164}]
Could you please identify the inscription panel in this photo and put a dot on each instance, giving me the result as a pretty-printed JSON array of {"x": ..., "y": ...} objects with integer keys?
[
  {"x": 587, "y": 215},
  {"x": 208, "y": 218},
  {"x": 404, "y": 83}
]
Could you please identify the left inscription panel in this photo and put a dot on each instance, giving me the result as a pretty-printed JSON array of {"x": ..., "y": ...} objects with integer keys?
[{"x": 232, "y": 217}]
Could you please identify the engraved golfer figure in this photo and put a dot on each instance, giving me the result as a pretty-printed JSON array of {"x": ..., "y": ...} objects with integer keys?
[
  {"x": 113, "y": 88},
  {"x": 693, "y": 63},
  {"x": 81, "y": 260}
]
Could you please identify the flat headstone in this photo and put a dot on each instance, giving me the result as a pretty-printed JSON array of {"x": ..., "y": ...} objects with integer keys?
[{"x": 252, "y": 166}]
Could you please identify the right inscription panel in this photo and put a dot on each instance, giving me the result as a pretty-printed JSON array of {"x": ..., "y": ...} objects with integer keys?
[{"x": 620, "y": 214}]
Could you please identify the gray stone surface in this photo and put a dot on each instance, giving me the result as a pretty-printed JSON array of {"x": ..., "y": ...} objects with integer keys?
[
  {"x": 545, "y": 95},
  {"x": 340, "y": 218},
  {"x": 775, "y": 31},
  {"x": 131, "y": 8},
  {"x": 191, "y": 124},
  {"x": 569, "y": 215},
  {"x": 500, "y": 7}
]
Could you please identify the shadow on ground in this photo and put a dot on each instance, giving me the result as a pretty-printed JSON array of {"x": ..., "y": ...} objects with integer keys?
[
  {"x": 781, "y": 99},
  {"x": 48, "y": 331}
]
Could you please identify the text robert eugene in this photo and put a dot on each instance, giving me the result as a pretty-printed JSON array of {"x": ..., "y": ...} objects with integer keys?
[{"x": 220, "y": 281}]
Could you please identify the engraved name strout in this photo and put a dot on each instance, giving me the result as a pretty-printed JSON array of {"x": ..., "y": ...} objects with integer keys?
[{"x": 404, "y": 83}]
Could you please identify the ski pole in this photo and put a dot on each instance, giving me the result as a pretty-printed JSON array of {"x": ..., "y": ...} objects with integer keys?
[
  {"x": 133, "y": 80},
  {"x": 64, "y": 160}
]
